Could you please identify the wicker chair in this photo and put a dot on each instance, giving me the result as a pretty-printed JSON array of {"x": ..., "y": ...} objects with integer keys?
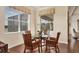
[
  {"x": 31, "y": 43},
  {"x": 53, "y": 42}
]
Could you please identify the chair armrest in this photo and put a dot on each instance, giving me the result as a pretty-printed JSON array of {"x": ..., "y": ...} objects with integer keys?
[
  {"x": 36, "y": 41},
  {"x": 52, "y": 38},
  {"x": 36, "y": 38}
]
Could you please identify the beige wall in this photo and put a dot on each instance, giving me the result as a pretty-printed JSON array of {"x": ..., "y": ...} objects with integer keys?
[
  {"x": 60, "y": 23},
  {"x": 13, "y": 39},
  {"x": 2, "y": 18}
]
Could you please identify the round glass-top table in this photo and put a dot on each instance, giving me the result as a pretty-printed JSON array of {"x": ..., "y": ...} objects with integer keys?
[{"x": 43, "y": 40}]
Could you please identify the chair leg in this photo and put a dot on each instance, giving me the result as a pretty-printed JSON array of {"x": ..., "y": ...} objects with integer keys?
[
  {"x": 46, "y": 49},
  {"x": 39, "y": 49},
  {"x": 31, "y": 50},
  {"x": 49, "y": 49},
  {"x": 24, "y": 49},
  {"x": 57, "y": 49}
]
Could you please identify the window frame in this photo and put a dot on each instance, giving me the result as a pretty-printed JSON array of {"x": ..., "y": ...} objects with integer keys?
[{"x": 19, "y": 29}]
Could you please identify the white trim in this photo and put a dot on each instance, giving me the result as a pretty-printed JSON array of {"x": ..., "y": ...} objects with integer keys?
[
  {"x": 29, "y": 20},
  {"x": 14, "y": 45},
  {"x": 63, "y": 42},
  {"x": 11, "y": 32},
  {"x": 18, "y": 23},
  {"x": 22, "y": 43},
  {"x": 14, "y": 32}
]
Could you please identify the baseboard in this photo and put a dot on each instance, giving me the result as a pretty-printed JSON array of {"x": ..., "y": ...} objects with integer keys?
[
  {"x": 22, "y": 43},
  {"x": 63, "y": 42},
  {"x": 14, "y": 45}
]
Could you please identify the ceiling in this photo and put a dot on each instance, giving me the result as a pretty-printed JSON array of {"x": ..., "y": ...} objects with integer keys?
[
  {"x": 11, "y": 12},
  {"x": 40, "y": 7},
  {"x": 48, "y": 17}
]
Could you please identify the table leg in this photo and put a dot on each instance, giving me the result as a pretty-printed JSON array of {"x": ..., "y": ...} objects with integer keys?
[{"x": 41, "y": 45}]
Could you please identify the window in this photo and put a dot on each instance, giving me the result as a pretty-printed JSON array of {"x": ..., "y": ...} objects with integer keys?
[
  {"x": 23, "y": 22},
  {"x": 46, "y": 23},
  {"x": 16, "y": 21},
  {"x": 13, "y": 23}
]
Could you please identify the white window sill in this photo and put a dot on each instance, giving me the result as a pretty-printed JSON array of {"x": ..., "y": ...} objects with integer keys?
[{"x": 14, "y": 32}]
